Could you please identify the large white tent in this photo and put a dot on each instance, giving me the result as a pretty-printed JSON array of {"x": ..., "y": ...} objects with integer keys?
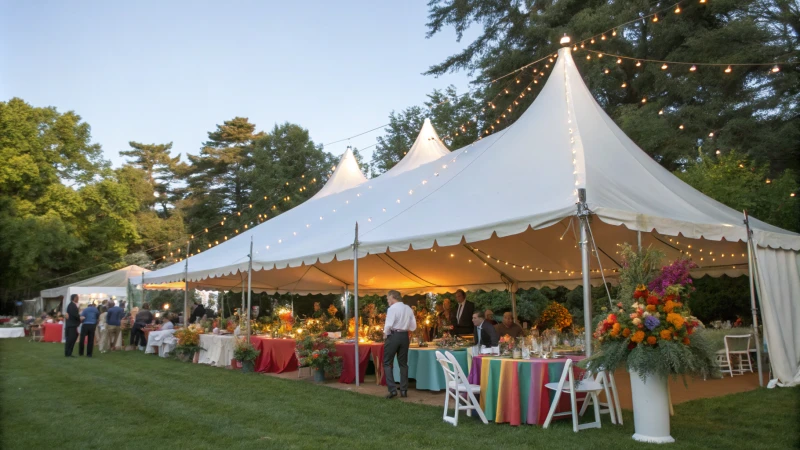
[
  {"x": 506, "y": 211},
  {"x": 107, "y": 286}
]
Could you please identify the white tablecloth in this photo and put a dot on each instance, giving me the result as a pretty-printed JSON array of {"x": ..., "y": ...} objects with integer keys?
[
  {"x": 163, "y": 341},
  {"x": 12, "y": 332},
  {"x": 217, "y": 350}
]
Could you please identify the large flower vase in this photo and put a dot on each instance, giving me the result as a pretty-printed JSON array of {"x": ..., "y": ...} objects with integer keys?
[{"x": 650, "y": 409}]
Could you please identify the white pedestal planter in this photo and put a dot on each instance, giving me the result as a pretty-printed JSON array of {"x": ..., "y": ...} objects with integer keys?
[{"x": 650, "y": 409}]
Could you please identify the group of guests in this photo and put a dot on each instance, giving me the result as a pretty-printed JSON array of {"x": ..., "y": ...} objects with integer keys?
[
  {"x": 102, "y": 324},
  {"x": 465, "y": 320}
]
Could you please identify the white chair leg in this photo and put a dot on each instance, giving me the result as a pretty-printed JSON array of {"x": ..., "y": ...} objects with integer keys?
[
  {"x": 458, "y": 407},
  {"x": 609, "y": 399},
  {"x": 552, "y": 409},
  {"x": 477, "y": 407},
  {"x": 617, "y": 406},
  {"x": 573, "y": 403},
  {"x": 597, "y": 410},
  {"x": 446, "y": 404}
]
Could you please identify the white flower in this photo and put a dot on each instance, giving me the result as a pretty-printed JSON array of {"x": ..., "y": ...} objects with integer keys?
[{"x": 637, "y": 321}]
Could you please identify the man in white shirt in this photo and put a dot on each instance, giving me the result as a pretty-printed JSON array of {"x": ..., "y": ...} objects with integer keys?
[{"x": 399, "y": 321}]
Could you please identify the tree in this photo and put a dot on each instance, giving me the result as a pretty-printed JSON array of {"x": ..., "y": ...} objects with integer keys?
[
  {"x": 752, "y": 108},
  {"x": 451, "y": 116},
  {"x": 160, "y": 168},
  {"x": 733, "y": 179},
  {"x": 215, "y": 180}
]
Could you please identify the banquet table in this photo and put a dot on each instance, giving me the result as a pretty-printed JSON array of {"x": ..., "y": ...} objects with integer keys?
[
  {"x": 161, "y": 342},
  {"x": 277, "y": 355},
  {"x": 217, "y": 349},
  {"x": 12, "y": 332},
  {"x": 5, "y": 320},
  {"x": 423, "y": 367},
  {"x": 365, "y": 350},
  {"x": 513, "y": 390},
  {"x": 52, "y": 332}
]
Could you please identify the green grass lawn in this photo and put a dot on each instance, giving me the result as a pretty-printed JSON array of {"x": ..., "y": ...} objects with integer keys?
[{"x": 132, "y": 400}]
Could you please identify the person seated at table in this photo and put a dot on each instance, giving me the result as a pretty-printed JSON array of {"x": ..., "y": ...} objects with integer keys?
[
  {"x": 485, "y": 334},
  {"x": 490, "y": 317},
  {"x": 318, "y": 312},
  {"x": 166, "y": 323},
  {"x": 508, "y": 328}
]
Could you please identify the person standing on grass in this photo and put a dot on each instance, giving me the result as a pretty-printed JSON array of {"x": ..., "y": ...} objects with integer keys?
[
  {"x": 113, "y": 322},
  {"x": 71, "y": 326},
  {"x": 89, "y": 317},
  {"x": 399, "y": 321},
  {"x": 142, "y": 319},
  {"x": 102, "y": 328}
]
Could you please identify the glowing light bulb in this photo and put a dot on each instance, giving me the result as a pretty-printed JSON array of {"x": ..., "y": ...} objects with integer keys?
[
  {"x": 776, "y": 69},
  {"x": 660, "y": 112},
  {"x": 588, "y": 56},
  {"x": 693, "y": 68},
  {"x": 677, "y": 10},
  {"x": 619, "y": 60},
  {"x": 638, "y": 64},
  {"x": 603, "y": 37},
  {"x": 624, "y": 84},
  {"x": 728, "y": 69},
  {"x": 664, "y": 66},
  {"x": 680, "y": 127},
  {"x": 655, "y": 17},
  {"x": 644, "y": 100}
]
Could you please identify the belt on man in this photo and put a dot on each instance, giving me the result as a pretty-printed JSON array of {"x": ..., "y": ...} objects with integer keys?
[{"x": 399, "y": 331}]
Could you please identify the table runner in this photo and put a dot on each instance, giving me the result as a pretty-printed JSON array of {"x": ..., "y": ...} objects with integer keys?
[
  {"x": 513, "y": 390},
  {"x": 277, "y": 355}
]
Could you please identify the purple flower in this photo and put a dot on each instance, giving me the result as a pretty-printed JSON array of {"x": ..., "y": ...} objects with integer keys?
[
  {"x": 675, "y": 273},
  {"x": 651, "y": 322}
]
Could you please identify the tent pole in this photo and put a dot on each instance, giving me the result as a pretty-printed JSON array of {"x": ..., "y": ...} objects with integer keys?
[
  {"x": 514, "y": 286},
  {"x": 753, "y": 308},
  {"x": 355, "y": 303},
  {"x": 144, "y": 290},
  {"x": 242, "y": 307},
  {"x": 249, "y": 286},
  {"x": 583, "y": 216},
  {"x": 639, "y": 240},
  {"x": 186, "y": 285},
  {"x": 346, "y": 301}
]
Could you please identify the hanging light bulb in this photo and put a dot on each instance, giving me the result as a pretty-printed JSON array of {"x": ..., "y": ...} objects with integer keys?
[
  {"x": 664, "y": 66},
  {"x": 660, "y": 112},
  {"x": 693, "y": 68},
  {"x": 711, "y": 134},
  {"x": 677, "y": 9},
  {"x": 575, "y": 48},
  {"x": 588, "y": 56},
  {"x": 638, "y": 64},
  {"x": 680, "y": 127},
  {"x": 614, "y": 33},
  {"x": 592, "y": 41},
  {"x": 728, "y": 69},
  {"x": 655, "y": 17},
  {"x": 619, "y": 60},
  {"x": 606, "y": 71},
  {"x": 776, "y": 69},
  {"x": 603, "y": 37},
  {"x": 624, "y": 84},
  {"x": 644, "y": 100}
]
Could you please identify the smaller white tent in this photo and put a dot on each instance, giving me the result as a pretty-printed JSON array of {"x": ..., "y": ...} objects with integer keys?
[{"x": 108, "y": 286}]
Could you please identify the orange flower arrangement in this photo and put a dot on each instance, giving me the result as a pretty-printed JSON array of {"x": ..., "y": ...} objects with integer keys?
[
  {"x": 666, "y": 335},
  {"x": 626, "y": 332},
  {"x": 651, "y": 340},
  {"x": 637, "y": 337}
]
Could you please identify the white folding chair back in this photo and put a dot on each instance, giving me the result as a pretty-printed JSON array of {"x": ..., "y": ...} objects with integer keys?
[
  {"x": 739, "y": 345},
  {"x": 459, "y": 389},
  {"x": 567, "y": 384},
  {"x": 611, "y": 405}
]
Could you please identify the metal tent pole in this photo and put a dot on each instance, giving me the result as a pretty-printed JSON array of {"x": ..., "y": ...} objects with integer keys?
[
  {"x": 753, "y": 308},
  {"x": 346, "y": 307},
  {"x": 249, "y": 286},
  {"x": 513, "y": 287},
  {"x": 186, "y": 285},
  {"x": 355, "y": 302},
  {"x": 583, "y": 216}
]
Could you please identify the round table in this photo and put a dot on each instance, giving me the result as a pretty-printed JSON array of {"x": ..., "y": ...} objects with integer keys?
[
  {"x": 12, "y": 332},
  {"x": 426, "y": 370},
  {"x": 277, "y": 355},
  {"x": 513, "y": 390},
  {"x": 52, "y": 332},
  {"x": 217, "y": 349}
]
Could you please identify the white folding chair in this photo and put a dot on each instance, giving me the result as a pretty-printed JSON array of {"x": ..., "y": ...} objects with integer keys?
[
  {"x": 566, "y": 384},
  {"x": 733, "y": 346},
  {"x": 459, "y": 388},
  {"x": 611, "y": 406},
  {"x": 300, "y": 365}
]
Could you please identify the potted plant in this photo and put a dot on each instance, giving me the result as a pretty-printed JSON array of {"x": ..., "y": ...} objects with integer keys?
[
  {"x": 318, "y": 353},
  {"x": 245, "y": 354},
  {"x": 652, "y": 334},
  {"x": 188, "y": 342},
  {"x": 334, "y": 327}
]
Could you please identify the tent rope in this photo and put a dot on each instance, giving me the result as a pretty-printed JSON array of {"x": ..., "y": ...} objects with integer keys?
[{"x": 600, "y": 263}]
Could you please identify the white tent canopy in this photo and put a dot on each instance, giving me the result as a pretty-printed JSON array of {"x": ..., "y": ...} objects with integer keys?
[
  {"x": 347, "y": 175},
  {"x": 110, "y": 285},
  {"x": 501, "y": 213}
]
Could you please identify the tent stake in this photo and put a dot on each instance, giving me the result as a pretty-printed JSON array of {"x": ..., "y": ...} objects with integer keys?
[
  {"x": 355, "y": 304},
  {"x": 583, "y": 216},
  {"x": 753, "y": 308}
]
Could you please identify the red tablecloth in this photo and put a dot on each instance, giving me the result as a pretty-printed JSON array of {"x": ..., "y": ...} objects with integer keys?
[
  {"x": 6, "y": 320},
  {"x": 277, "y": 355},
  {"x": 348, "y": 354},
  {"x": 52, "y": 332}
]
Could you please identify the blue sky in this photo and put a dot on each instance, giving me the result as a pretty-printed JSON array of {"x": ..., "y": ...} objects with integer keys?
[{"x": 155, "y": 71}]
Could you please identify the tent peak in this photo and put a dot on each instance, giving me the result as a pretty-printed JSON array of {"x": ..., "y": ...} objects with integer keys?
[
  {"x": 427, "y": 147},
  {"x": 347, "y": 175}
]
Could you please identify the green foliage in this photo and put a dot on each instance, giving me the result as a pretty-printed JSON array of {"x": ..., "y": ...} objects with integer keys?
[
  {"x": 733, "y": 179},
  {"x": 640, "y": 267},
  {"x": 722, "y": 298},
  {"x": 244, "y": 350},
  {"x": 319, "y": 352}
]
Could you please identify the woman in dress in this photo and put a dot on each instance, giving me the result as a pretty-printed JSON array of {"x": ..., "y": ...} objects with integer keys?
[{"x": 101, "y": 329}]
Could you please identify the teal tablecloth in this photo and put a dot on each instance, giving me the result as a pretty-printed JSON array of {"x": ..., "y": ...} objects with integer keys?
[{"x": 423, "y": 367}]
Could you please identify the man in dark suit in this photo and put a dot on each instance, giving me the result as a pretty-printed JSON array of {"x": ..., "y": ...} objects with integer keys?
[
  {"x": 71, "y": 325},
  {"x": 485, "y": 333},
  {"x": 462, "y": 317}
]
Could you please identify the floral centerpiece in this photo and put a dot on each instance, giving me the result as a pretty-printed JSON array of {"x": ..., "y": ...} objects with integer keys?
[
  {"x": 188, "y": 341},
  {"x": 449, "y": 341},
  {"x": 334, "y": 324},
  {"x": 332, "y": 310},
  {"x": 555, "y": 315},
  {"x": 245, "y": 353},
  {"x": 287, "y": 319},
  {"x": 507, "y": 344},
  {"x": 314, "y": 326},
  {"x": 652, "y": 334},
  {"x": 318, "y": 352}
]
